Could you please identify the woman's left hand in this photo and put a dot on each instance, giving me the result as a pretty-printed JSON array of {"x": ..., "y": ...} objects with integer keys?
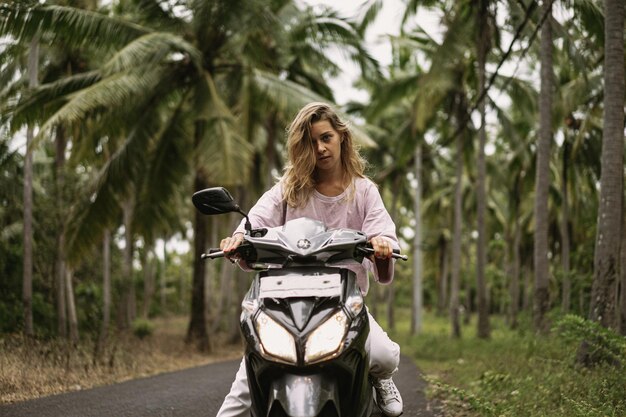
[{"x": 382, "y": 247}]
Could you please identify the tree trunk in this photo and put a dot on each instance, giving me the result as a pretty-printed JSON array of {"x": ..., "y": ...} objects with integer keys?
[
  {"x": 162, "y": 280},
  {"x": 566, "y": 300},
  {"x": 515, "y": 271},
  {"x": 483, "y": 330},
  {"x": 61, "y": 144},
  {"x": 129, "y": 304},
  {"x": 456, "y": 240},
  {"x": 391, "y": 293},
  {"x": 527, "y": 288},
  {"x": 442, "y": 285},
  {"x": 608, "y": 237},
  {"x": 622, "y": 309},
  {"x": 610, "y": 216},
  {"x": 197, "y": 330},
  {"x": 148, "y": 281},
  {"x": 416, "y": 316},
  {"x": 106, "y": 291},
  {"x": 27, "y": 278},
  {"x": 270, "y": 149},
  {"x": 541, "y": 294},
  {"x": 71, "y": 306}
]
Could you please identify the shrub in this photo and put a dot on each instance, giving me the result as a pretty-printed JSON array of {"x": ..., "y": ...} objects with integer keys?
[{"x": 142, "y": 328}]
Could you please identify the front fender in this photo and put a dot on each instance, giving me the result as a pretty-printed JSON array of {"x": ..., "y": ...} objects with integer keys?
[{"x": 304, "y": 395}]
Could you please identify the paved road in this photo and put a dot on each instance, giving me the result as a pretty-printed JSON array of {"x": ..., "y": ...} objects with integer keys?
[{"x": 193, "y": 392}]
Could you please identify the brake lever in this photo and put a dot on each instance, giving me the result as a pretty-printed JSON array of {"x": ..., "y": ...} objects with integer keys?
[
  {"x": 213, "y": 253},
  {"x": 394, "y": 254}
]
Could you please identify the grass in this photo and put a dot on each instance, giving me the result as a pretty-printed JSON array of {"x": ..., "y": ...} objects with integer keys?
[
  {"x": 514, "y": 373},
  {"x": 34, "y": 368}
]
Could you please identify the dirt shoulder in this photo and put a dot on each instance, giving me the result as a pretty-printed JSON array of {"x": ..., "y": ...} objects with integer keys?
[{"x": 32, "y": 368}]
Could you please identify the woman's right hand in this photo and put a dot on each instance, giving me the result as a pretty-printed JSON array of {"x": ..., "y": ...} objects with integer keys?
[{"x": 229, "y": 244}]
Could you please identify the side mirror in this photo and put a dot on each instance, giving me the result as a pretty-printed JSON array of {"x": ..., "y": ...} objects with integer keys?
[{"x": 215, "y": 200}]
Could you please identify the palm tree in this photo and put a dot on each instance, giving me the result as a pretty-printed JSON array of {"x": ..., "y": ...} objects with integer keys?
[
  {"x": 542, "y": 296},
  {"x": 610, "y": 213},
  {"x": 483, "y": 46},
  {"x": 27, "y": 293}
]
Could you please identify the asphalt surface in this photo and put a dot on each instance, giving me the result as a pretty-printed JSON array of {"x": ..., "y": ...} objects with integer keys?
[{"x": 193, "y": 392}]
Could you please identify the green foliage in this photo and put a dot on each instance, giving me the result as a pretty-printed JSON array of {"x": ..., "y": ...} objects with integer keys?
[
  {"x": 142, "y": 328},
  {"x": 517, "y": 373},
  {"x": 606, "y": 345}
]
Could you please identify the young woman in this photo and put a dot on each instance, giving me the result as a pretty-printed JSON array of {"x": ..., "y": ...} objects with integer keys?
[{"x": 324, "y": 180}]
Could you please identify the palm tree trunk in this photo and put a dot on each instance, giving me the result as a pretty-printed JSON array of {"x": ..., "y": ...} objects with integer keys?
[
  {"x": 391, "y": 293},
  {"x": 541, "y": 294},
  {"x": 71, "y": 306},
  {"x": 481, "y": 194},
  {"x": 608, "y": 238},
  {"x": 610, "y": 215},
  {"x": 515, "y": 271},
  {"x": 270, "y": 150},
  {"x": 526, "y": 294},
  {"x": 456, "y": 240},
  {"x": 60, "y": 143},
  {"x": 27, "y": 279},
  {"x": 416, "y": 316},
  {"x": 622, "y": 309},
  {"x": 106, "y": 291},
  {"x": 565, "y": 241},
  {"x": 162, "y": 281},
  {"x": 148, "y": 281},
  {"x": 197, "y": 329},
  {"x": 129, "y": 304},
  {"x": 442, "y": 287}
]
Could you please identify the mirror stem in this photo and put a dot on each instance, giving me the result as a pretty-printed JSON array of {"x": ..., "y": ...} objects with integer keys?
[{"x": 247, "y": 226}]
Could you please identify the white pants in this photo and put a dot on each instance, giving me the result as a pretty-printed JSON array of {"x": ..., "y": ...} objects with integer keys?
[{"x": 384, "y": 356}]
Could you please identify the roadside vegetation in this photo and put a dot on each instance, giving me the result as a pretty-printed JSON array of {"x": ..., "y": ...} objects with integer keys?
[{"x": 517, "y": 373}]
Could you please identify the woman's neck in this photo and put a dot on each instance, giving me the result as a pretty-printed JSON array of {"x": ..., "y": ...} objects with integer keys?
[{"x": 331, "y": 186}]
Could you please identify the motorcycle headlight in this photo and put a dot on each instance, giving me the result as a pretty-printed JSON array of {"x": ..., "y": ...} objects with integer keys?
[
  {"x": 275, "y": 340},
  {"x": 326, "y": 340}
]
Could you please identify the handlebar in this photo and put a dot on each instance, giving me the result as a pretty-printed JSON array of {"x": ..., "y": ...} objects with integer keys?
[
  {"x": 215, "y": 253},
  {"x": 368, "y": 250}
]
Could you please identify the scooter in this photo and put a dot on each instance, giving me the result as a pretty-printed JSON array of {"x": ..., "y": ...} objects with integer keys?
[{"x": 303, "y": 319}]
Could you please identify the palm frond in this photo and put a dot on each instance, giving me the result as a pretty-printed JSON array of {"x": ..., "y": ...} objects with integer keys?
[
  {"x": 152, "y": 49},
  {"x": 151, "y": 13},
  {"x": 75, "y": 27},
  {"x": 393, "y": 92},
  {"x": 289, "y": 97},
  {"x": 114, "y": 92},
  {"x": 224, "y": 152},
  {"x": 168, "y": 163},
  {"x": 100, "y": 208},
  {"x": 592, "y": 16},
  {"x": 37, "y": 105},
  {"x": 368, "y": 13}
]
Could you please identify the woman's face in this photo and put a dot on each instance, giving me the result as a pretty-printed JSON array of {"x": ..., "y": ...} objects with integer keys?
[{"x": 327, "y": 146}]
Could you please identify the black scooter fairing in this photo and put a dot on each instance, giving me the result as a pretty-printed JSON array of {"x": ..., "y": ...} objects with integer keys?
[{"x": 337, "y": 386}]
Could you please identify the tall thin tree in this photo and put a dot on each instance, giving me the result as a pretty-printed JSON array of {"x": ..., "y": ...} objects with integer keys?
[
  {"x": 483, "y": 45},
  {"x": 416, "y": 316},
  {"x": 542, "y": 179},
  {"x": 27, "y": 290},
  {"x": 608, "y": 235}
]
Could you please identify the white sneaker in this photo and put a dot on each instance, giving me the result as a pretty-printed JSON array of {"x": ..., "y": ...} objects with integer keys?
[{"x": 387, "y": 397}]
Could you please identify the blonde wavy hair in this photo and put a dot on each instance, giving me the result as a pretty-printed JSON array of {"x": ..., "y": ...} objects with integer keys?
[{"x": 299, "y": 177}]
